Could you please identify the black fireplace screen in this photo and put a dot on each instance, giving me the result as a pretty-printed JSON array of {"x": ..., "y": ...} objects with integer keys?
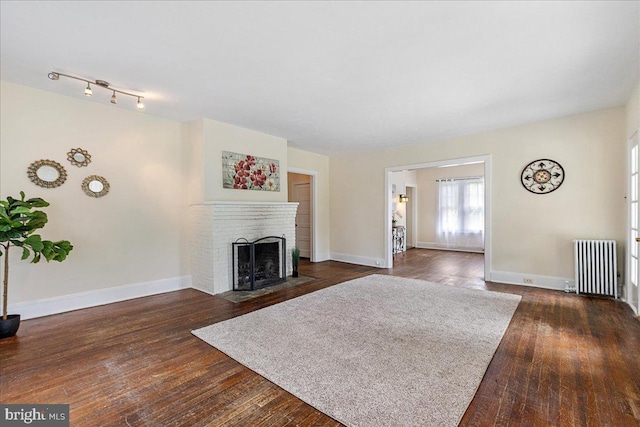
[{"x": 259, "y": 263}]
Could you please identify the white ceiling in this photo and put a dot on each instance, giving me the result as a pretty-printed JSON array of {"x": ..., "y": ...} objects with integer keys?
[{"x": 335, "y": 76}]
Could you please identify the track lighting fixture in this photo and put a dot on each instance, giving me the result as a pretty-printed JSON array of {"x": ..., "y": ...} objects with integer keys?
[{"x": 100, "y": 83}]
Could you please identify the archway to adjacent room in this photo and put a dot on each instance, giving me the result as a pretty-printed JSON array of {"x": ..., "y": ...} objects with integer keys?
[{"x": 391, "y": 199}]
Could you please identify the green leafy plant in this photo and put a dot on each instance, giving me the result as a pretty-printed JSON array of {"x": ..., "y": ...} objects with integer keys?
[{"x": 18, "y": 222}]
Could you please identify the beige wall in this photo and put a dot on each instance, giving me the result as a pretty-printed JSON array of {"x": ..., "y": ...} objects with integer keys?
[
  {"x": 194, "y": 161},
  {"x": 428, "y": 196},
  {"x": 633, "y": 111},
  {"x": 135, "y": 233},
  {"x": 318, "y": 163},
  {"x": 156, "y": 167},
  {"x": 531, "y": 233}
]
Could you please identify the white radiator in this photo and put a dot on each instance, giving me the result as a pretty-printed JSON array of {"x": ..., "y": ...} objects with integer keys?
[{"x": 595, "y": 262}]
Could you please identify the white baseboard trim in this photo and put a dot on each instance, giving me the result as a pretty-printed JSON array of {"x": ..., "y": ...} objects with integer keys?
[
  {"x": 443, "y": 247},
  {"x": 360, "y": 260},
  {"x": 61, "y": 304},
  {"x": 537, "y": 281},
  {"x": 633, "y": 308},
  {"x": 322, "y": 256},
  {"x": 206, "y": 291}
]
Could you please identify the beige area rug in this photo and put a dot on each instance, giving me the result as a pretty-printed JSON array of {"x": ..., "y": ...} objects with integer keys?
[
  {"x": 239, "y": 296},
  {"x": 375, "y": 351}
]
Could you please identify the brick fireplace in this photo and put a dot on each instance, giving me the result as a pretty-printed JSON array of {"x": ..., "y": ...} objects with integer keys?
[{"x": 214, "y": 226}]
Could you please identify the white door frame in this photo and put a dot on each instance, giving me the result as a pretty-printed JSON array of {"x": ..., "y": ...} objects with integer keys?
[
  {"x": 414, "y": 213},
  {"x": 487, "y": 204},
  {"x": 313, "y": 175},
  {"x": 635, "y": 305}
]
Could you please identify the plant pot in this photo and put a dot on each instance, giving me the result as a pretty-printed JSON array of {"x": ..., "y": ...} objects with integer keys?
[
  {"x": 295, "y": 271},
  {"x": 9, "y": 327}
]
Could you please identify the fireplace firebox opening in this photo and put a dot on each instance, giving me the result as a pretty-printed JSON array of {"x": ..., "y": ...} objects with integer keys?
[{"x": 260, "y": 263}]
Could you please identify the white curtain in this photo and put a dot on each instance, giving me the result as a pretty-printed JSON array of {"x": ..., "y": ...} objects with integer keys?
[{"x": 461, "y": 213}]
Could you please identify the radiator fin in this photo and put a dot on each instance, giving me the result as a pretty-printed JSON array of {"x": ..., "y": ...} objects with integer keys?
[{"x": 595, "y": 267}]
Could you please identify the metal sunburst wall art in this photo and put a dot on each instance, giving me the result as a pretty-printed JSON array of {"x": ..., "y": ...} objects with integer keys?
[
  {"x": 79, "y": 157},
  {"x": 542, "y": 176}
]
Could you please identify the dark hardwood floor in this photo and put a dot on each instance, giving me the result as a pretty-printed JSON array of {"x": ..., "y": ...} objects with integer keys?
[{"x": 564, "y": 360}]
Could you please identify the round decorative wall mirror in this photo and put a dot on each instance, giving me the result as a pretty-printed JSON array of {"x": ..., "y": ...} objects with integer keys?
[
  {"x": 79, "y": 157},
  {"x": 95, "y": 186},
  {"x": 47, "y": 173}
]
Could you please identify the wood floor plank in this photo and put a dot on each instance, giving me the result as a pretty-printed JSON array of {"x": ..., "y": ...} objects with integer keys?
[{"x": 564, "y": 360}]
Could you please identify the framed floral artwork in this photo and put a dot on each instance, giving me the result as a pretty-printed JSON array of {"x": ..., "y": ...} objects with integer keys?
[{"x": 244, "y": 172}]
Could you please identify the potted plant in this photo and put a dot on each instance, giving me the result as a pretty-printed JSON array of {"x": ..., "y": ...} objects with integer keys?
[
  {"x": 18, "y": 222},
  {"x": 295, "y": 259}
]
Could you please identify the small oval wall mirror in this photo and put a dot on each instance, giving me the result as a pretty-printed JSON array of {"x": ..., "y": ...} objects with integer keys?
[
  {"x": 95, "y": 186},
  {"x": 79, "y": 157},
  {"x": 47, "y": 173}
]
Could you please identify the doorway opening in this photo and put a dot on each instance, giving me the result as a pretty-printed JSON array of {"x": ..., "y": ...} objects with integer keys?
[
  {"x": 424, "y": 212},
  {"x": 302, "y": 190}
]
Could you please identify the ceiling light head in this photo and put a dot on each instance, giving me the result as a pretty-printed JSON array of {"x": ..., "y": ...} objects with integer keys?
[
  {"x": 140, "y": 104},
  {"x": 53, "y": 76},
  {"x": 114, "y": 100},
  {"x": 88, "y": 91}
]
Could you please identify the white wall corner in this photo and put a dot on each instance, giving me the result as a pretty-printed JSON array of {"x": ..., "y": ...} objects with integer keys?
[
  {"x": 55, "y": 305},
  {"x": 535, "y": 280},
  {"x": 360, "y": 260},
  {"x": 322, "y": 256}
]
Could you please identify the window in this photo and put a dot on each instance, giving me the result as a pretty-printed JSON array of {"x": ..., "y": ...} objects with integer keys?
[{"x": 461, "y": 213}]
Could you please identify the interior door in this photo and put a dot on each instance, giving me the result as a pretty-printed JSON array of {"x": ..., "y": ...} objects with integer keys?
[
  {"x": 633, "y": 278},
  {"x": 302, "y": 195}
]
